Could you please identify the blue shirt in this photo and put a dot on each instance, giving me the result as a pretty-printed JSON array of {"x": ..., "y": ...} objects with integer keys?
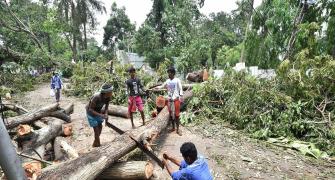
[
  {"x": 198, "y": 170},
  {"x": 56, "y": 82}
]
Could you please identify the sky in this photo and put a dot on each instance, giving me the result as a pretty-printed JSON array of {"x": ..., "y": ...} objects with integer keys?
[{"x": 137, "y": 11}]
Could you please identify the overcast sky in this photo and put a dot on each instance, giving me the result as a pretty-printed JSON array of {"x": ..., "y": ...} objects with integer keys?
[{"x": 137, "y": 11}]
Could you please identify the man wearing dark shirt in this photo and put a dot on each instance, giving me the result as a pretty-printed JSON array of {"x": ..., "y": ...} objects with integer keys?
[{"x": 134, "y": 99}]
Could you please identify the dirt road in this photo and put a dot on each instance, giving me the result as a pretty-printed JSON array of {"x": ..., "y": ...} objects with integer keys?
[{"x": 231, "y": 155}]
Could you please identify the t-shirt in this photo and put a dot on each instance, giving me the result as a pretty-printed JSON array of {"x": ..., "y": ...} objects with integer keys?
[
  {"x": 198, "y": 170},
  {"x": 98, "y": 101},
  {"x": 134, "y": 86},
  {"x": 174, "y": 87}
]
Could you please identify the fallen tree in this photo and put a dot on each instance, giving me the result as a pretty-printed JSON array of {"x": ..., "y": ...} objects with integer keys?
[
  {"x": 91, "y": 164},
  {"x": 131, "y": 170},
  {"x": 18, "y": 109},
  {"x": 31, "y": 117},
  {"x": 119, "y": 111}
]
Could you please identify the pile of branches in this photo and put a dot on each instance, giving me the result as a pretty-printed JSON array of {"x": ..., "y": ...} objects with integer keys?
[{"x": 299, "y": 103}]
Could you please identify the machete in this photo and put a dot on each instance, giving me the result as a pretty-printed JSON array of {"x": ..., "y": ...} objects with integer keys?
[{"x": 138, "y": 144}]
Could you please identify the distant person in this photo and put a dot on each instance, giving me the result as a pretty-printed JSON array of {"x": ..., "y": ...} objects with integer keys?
[
  {"x": 175, "y": 97},
  {"x": 97, "y": 111},
  {"x": 134, "y": 86},
  {"x": 56, "y": 85},
  {"x": 193, "y": 167}
]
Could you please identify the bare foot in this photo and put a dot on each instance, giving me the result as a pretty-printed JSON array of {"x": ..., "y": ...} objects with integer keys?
[{"x": 179, "y": 133}]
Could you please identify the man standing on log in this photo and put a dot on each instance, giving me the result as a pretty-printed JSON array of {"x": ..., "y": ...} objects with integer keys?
[
  {"x": 175, "y": 97},
  {"x": 134, "y": 99},
  {"x": 193, "y": 167},
  {"x": 56, "y": 85},
  {"x": 95, "y": 112}
]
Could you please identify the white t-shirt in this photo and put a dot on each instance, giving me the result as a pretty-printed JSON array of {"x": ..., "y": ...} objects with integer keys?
[{"x": 174, "y": 87}]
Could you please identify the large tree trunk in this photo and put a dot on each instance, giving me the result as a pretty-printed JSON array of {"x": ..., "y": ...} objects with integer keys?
[
  {"x": 31, "y": 117},
  {"x": 85, "y": 36},
  {"x": 91, "y": 164},
  {"x": 119, "y": 111},
  {"x": 136, "y": 170}
]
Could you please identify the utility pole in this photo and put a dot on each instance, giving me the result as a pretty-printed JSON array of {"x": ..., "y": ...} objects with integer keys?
[{"x": 9, "y": 161}]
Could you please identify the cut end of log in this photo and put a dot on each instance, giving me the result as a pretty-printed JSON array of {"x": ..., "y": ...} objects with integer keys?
[
  {"x": 149, "y": 169},
  {"x": 32, "y": 169},
  {"x": 23, "y": 129},
  {"x": 67, "y": 129}
]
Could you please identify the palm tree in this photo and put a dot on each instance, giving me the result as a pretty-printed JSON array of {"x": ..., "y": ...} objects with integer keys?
[{"x": 86, "y": 12}]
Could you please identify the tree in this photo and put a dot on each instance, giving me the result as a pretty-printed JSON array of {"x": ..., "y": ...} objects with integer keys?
[
  {"x": 86, "y": 11},
  {"x": 118, "y": 27}
]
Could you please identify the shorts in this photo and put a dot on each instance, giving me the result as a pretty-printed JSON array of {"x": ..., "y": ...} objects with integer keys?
[
  {"x": 133, "y": 102},
  {"x": 94, "y": 121},
  {"x": 176, "y": 103}
]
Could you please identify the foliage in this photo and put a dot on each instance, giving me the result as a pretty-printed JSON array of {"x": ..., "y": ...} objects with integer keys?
[
  {"x": 118, "y": 27},
  {"x": 299, "y": 103},
  {"x": 89, "y": 77}
]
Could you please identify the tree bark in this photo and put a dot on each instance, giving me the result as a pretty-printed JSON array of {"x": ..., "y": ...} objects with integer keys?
[
  {"x": 90, "y": 165},
  {"x": 119, "y": 111},
  {"x": 135, "y": 170},
  {"x": 85, "y": 36},
  {"x": 44, "y": 135},
  {"x": 18, "y": 109},
  {"x": 63, "y": 150},
  {"x": 31, "y": 117}
]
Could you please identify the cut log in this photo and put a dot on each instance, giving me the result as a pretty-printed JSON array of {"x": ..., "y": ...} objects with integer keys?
[
  {"x": 198, "y": 76},
  {"x": 18, "y": 109},
  {"x": 64, "y": 114},
  {"x": 39, "y": 124},
  {"x": 131, "y": 170},
  {"x": 31, "y": 117},
  {"x": 46, "y": 134},
  {"x": 63, "y": 150},
  {"x": 23, "y": 130},
  {"x": 91, "y": 164},
  {"x": 66, "y": 130},
  {"x": 119, "y": 111},
  {"x": 59, "y": 154}
]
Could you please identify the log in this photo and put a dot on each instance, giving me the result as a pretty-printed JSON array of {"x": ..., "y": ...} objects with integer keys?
[
  {"x": 119, "y": 111},
  {"x": 31, "y": 117},
  {"x": 63, "y": 150},
  {"x": 198, "y": 76},
  {"x": 39, "y": 124},
  {"x": 46, "y": 134},
  {"x": 59, "y": 154},
  {"x": 131, "y": 170},
  {"x": 91, "y": 164},
  {"x": 64, "y": 114},
  {"x": 18, "y": 109}
]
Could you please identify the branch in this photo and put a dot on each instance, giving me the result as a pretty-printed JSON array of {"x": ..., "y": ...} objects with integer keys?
[{"x": 22, "y": 27}]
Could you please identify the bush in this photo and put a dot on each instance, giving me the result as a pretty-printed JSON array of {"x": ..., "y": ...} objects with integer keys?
[{"x": 295, "y": 104}]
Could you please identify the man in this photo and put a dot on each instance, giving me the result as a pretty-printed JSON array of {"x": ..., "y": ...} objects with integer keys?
[
  {"x": 134, "y": 99},
  {"x": 96, "y": 113},
  {"x": 193, "y": 167},
  {"x": 56, "y": 85},
  {"x": 175, "y": 97}
]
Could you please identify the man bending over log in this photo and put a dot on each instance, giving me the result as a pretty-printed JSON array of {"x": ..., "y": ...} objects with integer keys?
[
  {"x": 193, "y": 167},
  {"x": 95, "y": 112},
  {"x": 175, "y": 97}
]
